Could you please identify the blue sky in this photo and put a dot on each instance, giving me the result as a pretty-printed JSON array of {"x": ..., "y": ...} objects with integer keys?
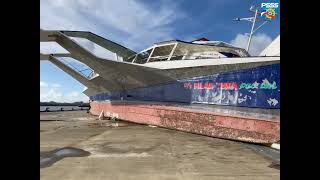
[{"x": 137, "y": 24}]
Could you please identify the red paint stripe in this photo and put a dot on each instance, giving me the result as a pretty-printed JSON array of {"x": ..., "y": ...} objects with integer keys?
[{"x": 206, "y": 123}]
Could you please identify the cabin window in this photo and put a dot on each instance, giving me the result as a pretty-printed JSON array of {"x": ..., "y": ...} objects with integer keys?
[
  {"x": 142, "y": 57},
  {"x": 161, "y": 53}
]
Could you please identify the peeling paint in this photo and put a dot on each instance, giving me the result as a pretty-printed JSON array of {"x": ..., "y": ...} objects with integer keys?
[{"x": 228, "y": 126}]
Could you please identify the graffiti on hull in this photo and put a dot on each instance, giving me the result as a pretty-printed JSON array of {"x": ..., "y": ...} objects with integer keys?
[
  {"x": 256, "y": 87},
  {"x": 264, "y": 85},
  {"x": 228, "y": 92}
]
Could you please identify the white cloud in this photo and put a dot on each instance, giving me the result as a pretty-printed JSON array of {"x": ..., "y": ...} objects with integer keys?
[
  {"x": 56, "y": 85},
  {"x": 129, "y": 22},
  {"x": 53, "y": 92},
  {"x": 76, "y": 96},
  {"x": 43, "y": 84},
  {"x": 258, "y": 42}
]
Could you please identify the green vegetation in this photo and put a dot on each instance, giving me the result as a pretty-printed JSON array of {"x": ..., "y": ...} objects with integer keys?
[{"x": 52, "y": 103}]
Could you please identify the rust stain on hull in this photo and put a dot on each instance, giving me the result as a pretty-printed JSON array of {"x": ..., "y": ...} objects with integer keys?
[{"x": 224, "y": 126}]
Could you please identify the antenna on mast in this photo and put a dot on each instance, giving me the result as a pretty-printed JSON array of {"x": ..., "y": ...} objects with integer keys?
[{"x": 253, "y": 20}]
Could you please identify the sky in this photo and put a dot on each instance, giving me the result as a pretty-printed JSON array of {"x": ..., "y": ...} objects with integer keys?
[{"x": 137, "y": 24}]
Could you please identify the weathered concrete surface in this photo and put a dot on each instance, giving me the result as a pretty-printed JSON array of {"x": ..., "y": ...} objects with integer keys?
[{"x": 132, "y": 151}]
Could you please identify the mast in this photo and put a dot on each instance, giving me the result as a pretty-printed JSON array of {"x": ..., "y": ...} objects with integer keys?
[
  {"x": 253, "y": 20},
  {"x": 251, "y": 32}
]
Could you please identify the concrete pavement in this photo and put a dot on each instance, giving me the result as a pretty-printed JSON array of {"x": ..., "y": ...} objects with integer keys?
[{"x": 132, "y": 151}]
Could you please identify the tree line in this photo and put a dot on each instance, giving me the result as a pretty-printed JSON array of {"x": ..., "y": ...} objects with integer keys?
[{"x": 52, "y": 103}]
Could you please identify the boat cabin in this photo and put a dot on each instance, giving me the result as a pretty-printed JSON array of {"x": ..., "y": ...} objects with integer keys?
[{"x": 181, "y": 50}]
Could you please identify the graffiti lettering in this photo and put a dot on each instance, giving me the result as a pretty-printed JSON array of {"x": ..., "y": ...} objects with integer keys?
[
  {"x": 203, "y": 86},
  {"x": 264, "y": 85},
  {"x": 229, "y": 86},
  {"x": 240, "y": 100},
  {"x": 198, "y": 85},
  {"x": 254, "y": 85},
  {"x": 232, "y": 85},
  {"x": 207, "y": 85},
  {"x": 272, "y": 102},
  {"x": 187, "y": 85},
  {"x": 267, "y": 85}
]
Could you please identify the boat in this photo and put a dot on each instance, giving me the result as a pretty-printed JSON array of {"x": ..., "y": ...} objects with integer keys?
[{"x": 204, "y": 87}]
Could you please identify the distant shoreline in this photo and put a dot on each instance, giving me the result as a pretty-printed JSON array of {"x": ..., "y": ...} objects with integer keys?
[
  {"x": 79, "y": 104},
  {"x": 62, "y": 108}
]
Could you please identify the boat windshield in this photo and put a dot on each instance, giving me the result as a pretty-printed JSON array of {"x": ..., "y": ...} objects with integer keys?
[
  {"x": 185, "y": 51},
  {"x": 161, "y": 53},
  {"x": 142, "y": 57},
  {"x": 158, "y": 53}
]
